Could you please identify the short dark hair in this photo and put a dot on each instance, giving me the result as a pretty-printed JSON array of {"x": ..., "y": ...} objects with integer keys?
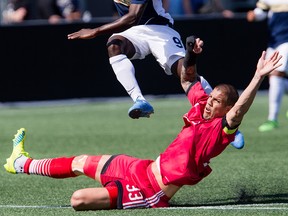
[{"x": 231, "y": 93}]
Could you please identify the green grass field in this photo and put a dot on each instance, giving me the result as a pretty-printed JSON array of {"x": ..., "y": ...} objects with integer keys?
[{"x": 251, "y": 181}]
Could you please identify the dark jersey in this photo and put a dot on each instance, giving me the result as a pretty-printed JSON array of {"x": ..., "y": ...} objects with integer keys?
[{"x": 154, "y": 12}]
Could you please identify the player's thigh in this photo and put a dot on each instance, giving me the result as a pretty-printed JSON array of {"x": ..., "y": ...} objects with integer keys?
[
  {"x": 137, "y": 38},
  {"x": 118, "y": 44},
  {"x": 167, "y": 48},
  {"x": 90, "y": 199}
]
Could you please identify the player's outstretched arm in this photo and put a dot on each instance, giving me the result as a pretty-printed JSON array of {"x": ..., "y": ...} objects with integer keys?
[
  {"x": 188, "y": 71},
  {"x": 264, "y": 67},
  {"x": 121, "y": 24}
]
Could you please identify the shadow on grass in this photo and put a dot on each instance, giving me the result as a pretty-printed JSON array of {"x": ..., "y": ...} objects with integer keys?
[{"x": 242, "y": 198}]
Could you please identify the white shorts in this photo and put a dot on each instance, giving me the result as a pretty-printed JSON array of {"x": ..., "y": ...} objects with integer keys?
[
  {"x": 283, "y": 50},
  {"x": 163, "y": 42}
]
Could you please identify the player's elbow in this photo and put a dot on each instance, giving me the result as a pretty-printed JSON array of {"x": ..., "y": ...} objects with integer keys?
[
  {"x": 77, "y": 201},
  {"x": 234, "y": 118}
]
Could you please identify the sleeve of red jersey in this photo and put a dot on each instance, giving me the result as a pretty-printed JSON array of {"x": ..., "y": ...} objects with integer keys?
[{"x": 196, "y": 93}]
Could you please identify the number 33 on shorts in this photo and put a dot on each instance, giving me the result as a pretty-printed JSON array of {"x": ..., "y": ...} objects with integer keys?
[{"x": 134, "y": 193}]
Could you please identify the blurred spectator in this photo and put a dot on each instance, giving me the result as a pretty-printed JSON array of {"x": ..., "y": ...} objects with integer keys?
[
  {"x": 17, "y": 11},
  {"x": 186, "y": 7},
  {"x": 196, "y": 5},
  {"x": 239, "y": 6},
  {"x": 215, "y": 6},
  {"x": 178, "y": 7},
  {"x": 56, "y": 11}
]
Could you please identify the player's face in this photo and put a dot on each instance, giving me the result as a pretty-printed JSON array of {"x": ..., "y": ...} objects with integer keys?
[{"x": 216, "y": 105}]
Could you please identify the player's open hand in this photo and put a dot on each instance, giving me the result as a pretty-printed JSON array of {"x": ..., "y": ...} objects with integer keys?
[
  {"x": 266, "y": 66},
  {"x": 83, "y": 34}
]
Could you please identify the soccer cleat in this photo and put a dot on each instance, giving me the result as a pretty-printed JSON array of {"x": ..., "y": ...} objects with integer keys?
[
  {"x": 141, "y": 108},
  {"x": 268, "y": 126},
  {"x": 18, "y": 153},
  {"x": 238, "y": 141}
]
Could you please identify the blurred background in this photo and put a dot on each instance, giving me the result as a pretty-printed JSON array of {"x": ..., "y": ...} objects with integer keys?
[
  {"x": 90, "y": 9},
  {"x": 39, "y": 63}
]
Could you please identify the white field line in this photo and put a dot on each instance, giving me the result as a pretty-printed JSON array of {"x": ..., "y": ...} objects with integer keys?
[
  {"x": 28, "y": 206},
  {"x": 272, "y": 206}
]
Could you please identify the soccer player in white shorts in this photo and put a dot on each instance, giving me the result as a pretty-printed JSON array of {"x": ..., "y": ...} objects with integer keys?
[
  {"x": 276, "y": 13},
  {"x": 143, "y": 28}
]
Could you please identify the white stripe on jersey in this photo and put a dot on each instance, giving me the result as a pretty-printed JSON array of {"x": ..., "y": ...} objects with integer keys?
[
  {"x": 124, "y": 2},
  {"x": 147, "y": 202}
]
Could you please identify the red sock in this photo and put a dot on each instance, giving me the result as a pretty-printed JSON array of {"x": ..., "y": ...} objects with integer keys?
[
  {"x": 113, "y": 195},
  {"x": 54, "y": 167}
]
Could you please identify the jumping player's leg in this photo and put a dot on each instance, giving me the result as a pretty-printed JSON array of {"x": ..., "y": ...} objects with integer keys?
[{"x": 120, "y": 50}]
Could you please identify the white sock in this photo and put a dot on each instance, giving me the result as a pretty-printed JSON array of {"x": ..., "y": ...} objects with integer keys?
[
  {"x": 19, "y": 164},
  {"x": 276, "y": 91},
  {"x": 125, "y": 73}
]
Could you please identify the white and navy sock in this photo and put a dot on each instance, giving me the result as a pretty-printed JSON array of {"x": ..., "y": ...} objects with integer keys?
[{"x": 125, "y": 73}]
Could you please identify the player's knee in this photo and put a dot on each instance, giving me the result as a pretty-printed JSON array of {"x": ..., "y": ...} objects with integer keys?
[
  {"x": 79, "y": 157},
  {"x": 78, "y": 163},
  {"x": 78, "y": 201},
  {"x": 114, "y": 47}
]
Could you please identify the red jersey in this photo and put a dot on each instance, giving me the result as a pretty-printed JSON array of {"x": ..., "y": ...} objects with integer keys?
[{"x": 185, "y": 161}]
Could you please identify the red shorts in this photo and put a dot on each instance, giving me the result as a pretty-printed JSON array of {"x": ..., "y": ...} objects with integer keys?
[{"x": 137, "y": 186}]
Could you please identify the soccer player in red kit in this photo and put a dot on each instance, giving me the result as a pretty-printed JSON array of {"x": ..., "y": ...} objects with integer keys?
[{"x": 129, "y": 182}]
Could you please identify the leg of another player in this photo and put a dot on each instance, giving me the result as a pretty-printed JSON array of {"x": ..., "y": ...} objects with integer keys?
[
  {"x": 277, "y": 87},
  {"x": 120, "y": 50},
  {"x": 276, "y": 92}
]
